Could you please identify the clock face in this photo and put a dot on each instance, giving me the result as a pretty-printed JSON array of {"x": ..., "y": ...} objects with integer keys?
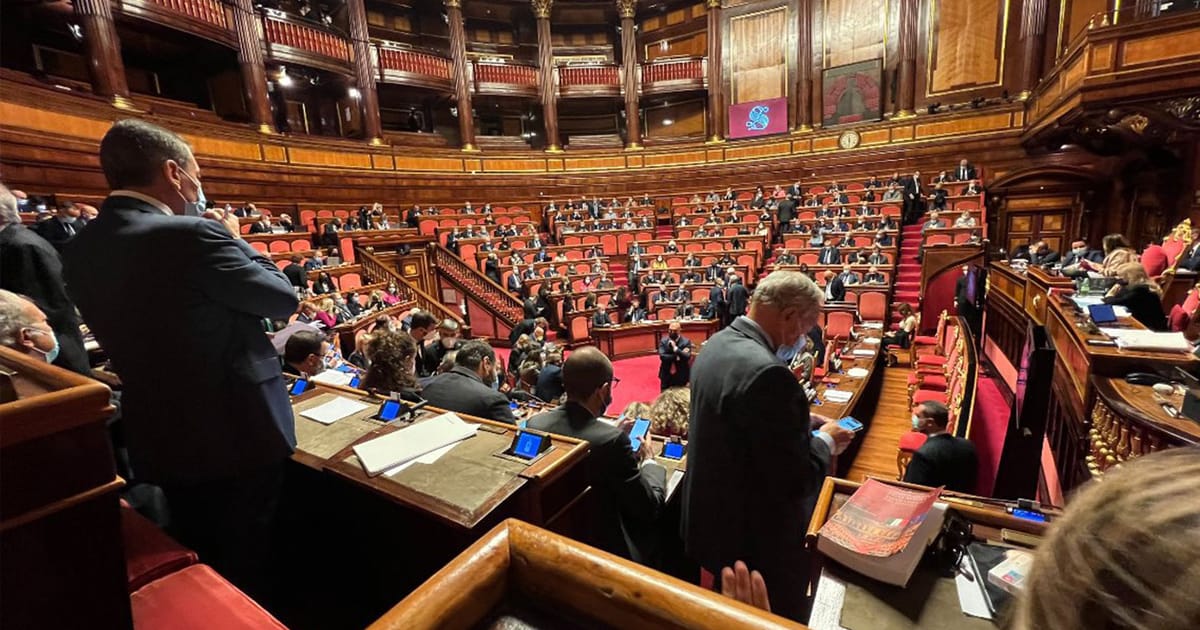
[{"x": 848, "y": 139}]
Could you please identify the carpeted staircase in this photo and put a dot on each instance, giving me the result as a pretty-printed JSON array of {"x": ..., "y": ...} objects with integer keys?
[{"x": 908, "y": 270}]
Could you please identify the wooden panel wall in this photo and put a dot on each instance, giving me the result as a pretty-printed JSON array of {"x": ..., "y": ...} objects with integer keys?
[
  {"x": 758, "y": 54},
  {"x": 966, "y": 44},
  {"x": 855, "y": 30},
  {"x": 1074, "y": 16},
  {"x": 687, "y": 119},
  {"x": 690, "y": 45}
]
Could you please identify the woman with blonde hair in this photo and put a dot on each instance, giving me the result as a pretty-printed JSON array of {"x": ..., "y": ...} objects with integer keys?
[
  {"x": 636, "y": 409},
  {"x": 392, "y": 356},
  {"x": 326, "y": 313},
  {"x": 1137, "y": 292},
  {"x": 1117, "y": 252},
  {"x": 669, "y": 412},
  {"x": 1124, "y": 555}
]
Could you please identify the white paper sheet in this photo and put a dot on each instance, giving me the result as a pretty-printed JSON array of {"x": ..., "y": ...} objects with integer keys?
[
  {"x": 333, "y": 377},
  {"x": 871, "y": 341},
  {"x": 673, "y": 483},
  {"x": 1138, "y": 339},
  {"x": 863, "y": 352},
  {"x": 827, "y": 604},
  {"x": 837, "y": 395},
  {"x": 334, "y": 410},
  {"x": 427, "y": 459},
  {"x": 970, "y": 591},
  {"x": 403, "y": 446},
  {"x": 857, "y": 372}
]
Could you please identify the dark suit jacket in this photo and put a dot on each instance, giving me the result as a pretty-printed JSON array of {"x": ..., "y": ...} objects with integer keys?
[
  {"x": 786, "y": 210},
  {"x": 739, "y": 298},
  {"x": 837, "y": 289},
  {"x": 514, "y": 283},
  {"x": 1144, "y": 305},
  {"x": 829, "y": 256},
  {"x": 462, "y": 391},
  {"x": 296, "y": 275},
  {"x": 258, "y": 228},
  {"x": 753, "y": 468},
  {"x": 944, "y": 460},
  {"x": 964, "y": 174},
  {"x": 30, "y": 266},
  {"x": 1049, "y": 258},
  {"x": 57, "y": 233},
  {"x": 204, "y": 398},
  {"x": 1095, "y": 255},
  {"x": 629, "y": 496},
  {"x": 601, "y": 319},
  {"x": 675, "y": 360},
  {"x": 524, "y": 327},
  {"x": 549, "y": 383}
]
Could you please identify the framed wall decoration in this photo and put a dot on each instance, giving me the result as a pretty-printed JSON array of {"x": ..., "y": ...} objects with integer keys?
[{"x": 852, "y": 93}]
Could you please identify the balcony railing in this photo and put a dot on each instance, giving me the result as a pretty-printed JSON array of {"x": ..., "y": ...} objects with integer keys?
[
  {"x": 206, "y": 18},
  {"x": 210, "y": 11},
  {"x": 288, "y": 36},
  {"x": 674, "y": 75},
  {"x": 589, "y": 80},
  {"x": 413, "y": 67},
  {"x": 505, "y": 78}
]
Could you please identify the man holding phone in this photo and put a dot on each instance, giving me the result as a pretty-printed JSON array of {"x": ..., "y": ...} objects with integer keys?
[
  {"x": 754, "y": 468},
  {"x": 631, "y": 486}
]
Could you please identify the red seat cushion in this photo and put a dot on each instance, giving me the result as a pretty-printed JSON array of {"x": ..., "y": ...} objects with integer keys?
[
  {"x": 1178, "y": 319},
  {"x": 196, "y": 598},
  {"x": 925, "y": 340},
  {"x": 912, "y": 440},
  {"x": 149, "y": 553},
  {"x": 932, "y": 360},
  {"x": 1154, "y": 259},
  {"x": 924, "y": 395},
  {"x": 934, "y": 383}
]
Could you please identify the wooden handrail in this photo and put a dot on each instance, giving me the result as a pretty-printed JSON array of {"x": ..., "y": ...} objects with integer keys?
[
  {"x": 456, "y": 269},
  {"x": 378, "y": 269}
]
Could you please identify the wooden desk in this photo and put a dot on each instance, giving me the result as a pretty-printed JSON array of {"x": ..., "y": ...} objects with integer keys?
[
  {"x": 60, "y": 525},
  {"x": 635, "y": 340},
  {"x": 1128, "y": 421},
  {"x": 522, "y": 576},
  {"x": 864, "y": 392}
]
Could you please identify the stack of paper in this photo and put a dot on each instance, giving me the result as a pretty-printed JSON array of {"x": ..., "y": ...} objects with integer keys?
[
  {"x": 864, "y": 352},
  {"x": 1137, "y": 339},
  {"x": 410, "y": 443},
  {"x": 334, "y": 410},
  {"x": 333, "y": 377},
  {"x": 838, "y": 396},
  {"x": 874, "y": 325}
]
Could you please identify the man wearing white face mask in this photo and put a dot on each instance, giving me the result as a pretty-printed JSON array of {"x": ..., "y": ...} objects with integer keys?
[
  {"x": 23, "y": 327},
  {"x": 210, "y": 422},
  {"x": 944, "y": 460},
  {"x": 754, "y": 466}
]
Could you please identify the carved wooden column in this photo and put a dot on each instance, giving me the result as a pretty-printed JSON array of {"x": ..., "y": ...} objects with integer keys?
[
  {"x": 549, "y": 91},
  {"x": 715, "y": 115},
  {"x": 629, "y": 66},
  {"x": 103, "y": 51},
  {"x": 364, "y": 69},
  {"x": 907, "y": 80},
  {"x": 250, "y": 58},
  {"x": 462, "y": 79},
  {"x": 1033, "y": 43},
  {"x": 804, "y": 67}
]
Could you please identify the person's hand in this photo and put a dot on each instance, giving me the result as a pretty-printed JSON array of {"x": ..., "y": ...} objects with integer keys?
[
  {"x": 745, "y": 586},
  {"x": 841, "y": 436},
  {"x": 625, "y": 424},
  {"x": 645, "y": 451}
]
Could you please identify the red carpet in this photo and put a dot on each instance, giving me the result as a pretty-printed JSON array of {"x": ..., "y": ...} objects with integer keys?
[
  {"x": 639, "y": 379},
  {"x": 988, "y": 428},
  {"x": 908, "y": 271}
]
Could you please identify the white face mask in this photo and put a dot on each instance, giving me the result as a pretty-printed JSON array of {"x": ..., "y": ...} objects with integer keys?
[{"x": 916, "y": 422}]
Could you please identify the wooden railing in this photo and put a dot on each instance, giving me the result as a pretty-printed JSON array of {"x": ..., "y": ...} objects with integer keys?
[
  {"x": 674, "y": 74},
  {"x": 501, "y": 77},
  {"x": 589, "y": 80},
  {"x": 210, "y": 11},
  {"x": 378, "y": 271},
  {"x": 402, "y": 64},
  {"x": 284, "y": 31},
  {"x": 501, "y": 303}
]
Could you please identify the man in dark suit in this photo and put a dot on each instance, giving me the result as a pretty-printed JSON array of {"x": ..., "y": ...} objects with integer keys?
[
  {"x": 262, "y": 225},
  {"x": 914, "y": 198},
  {"x": 635, "y": 314},
  {"x": 786, "y": 211},
  {"x": 1080, "y": 252},
  {"x": 205, "y": 410},
  {"x": 1041, "y": 254},
  {"x": 600, "y": 318},
  {"x": 967, "y": 294},
  {"x": 754, "y": 467},
  {"x": 829, "y": 255},
  {"x": 59, "y": 230},
  {"x": 630, "y": 485},
  {"x": 965, "y": 171},
  {"x": 944, "y": 460},
  {"x": 835, "y": 288},
  {"x": 738, "y": 298},
  {"x": 675, "y": 356},
  {"x": 514, "y": 282},
  {"x": 295, "y": 273},
  {"x": 467, "y": 387},
  {"x": 29, "y": 266}
]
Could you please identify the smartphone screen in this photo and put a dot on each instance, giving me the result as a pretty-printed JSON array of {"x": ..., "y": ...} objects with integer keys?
[
  {"x": 527, "y": 445},
  {"x": 673, "y": 450},
  {"x": 641, "y": 426},
  {"x": 355, "y": 381},
  {"x": 389, "y": 411},
  {"x": 1029, "y": 516},
  {"x": 850, "y": 424},
  {"x": 299, "y": 386}
]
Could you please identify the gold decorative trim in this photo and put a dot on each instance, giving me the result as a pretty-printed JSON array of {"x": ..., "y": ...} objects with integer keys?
[
  {"x": 541, "y": 8},
  {"x": 265, "y": 129},
  {"x": 122, "y": 102},
  {"x": 554, "y": 148},
  {"x": 713, "y": 4},
  {"x": 903, "y": 114},
  {"x": 453, "y": 4},
  {"x": 802, "y": 129},
  {"x": 470, "y": 148},
  {"x": 635, "y": 147},
  {"x": 376, "y": 142},
  {"x": 627, "y": 8},
  {"x": 715, "y": 139}
]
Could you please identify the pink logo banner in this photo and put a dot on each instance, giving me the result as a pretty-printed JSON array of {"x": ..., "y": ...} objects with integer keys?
[{"x": 758, "y": 118}]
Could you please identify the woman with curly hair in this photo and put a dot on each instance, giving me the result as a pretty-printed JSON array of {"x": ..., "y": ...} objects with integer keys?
[
  {"x": 392, "y": 356},
  {"x": 669, "y": 412}
]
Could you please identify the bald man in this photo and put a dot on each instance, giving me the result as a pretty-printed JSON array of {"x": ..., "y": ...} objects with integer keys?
[
  {"x": 23, "y": 327},
  {"x": 675, "y": 355},
  {"x": 630, "y": 485}
]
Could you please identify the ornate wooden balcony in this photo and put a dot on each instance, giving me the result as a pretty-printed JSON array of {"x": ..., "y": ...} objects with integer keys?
[
  {"x": 206, "y": 18},
  {"x": 411, "y": 66},
  {"x": 589, "y": 80},
  {"x": 681, "y": 74},
  {"x": 293, "y": 40},
  {"x": 504, "y": 78}
]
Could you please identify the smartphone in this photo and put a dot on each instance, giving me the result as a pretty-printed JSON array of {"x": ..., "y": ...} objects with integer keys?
[
  {"x": 672, "y": 450},
  {"x": 850, "y": 424},
  {"x": 355, "y": 381},
  {"x": 299, "y": 386},
  {"x": 389, "y": 410},
  {"x": 1028, "y": 515},
  {"x": 641, "y": 427}
]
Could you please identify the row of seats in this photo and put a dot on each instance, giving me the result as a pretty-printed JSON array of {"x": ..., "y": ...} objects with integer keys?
[{"x": 941, "y": 372}]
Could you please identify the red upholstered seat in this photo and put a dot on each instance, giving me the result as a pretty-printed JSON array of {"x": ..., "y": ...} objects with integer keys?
[
  {"x": 912, "y": 441},
  {"x": 931, "y": 382},
  {"x": 196, "y": 598},
  {"x": 1154, "y": 259},
  {"x": 931, "y": 360},
  {"x": 924, "y": 395},
  {"x": 149, "y": 553},
  {"x": 925, "y": 340}
]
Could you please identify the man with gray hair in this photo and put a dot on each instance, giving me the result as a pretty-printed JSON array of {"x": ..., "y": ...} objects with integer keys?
[
  {"x": 31, "y": 267},
  {"x": 754, "y": 466},
  {"x": 23, "y": 327},
  {"x": 206, "y": 413}
]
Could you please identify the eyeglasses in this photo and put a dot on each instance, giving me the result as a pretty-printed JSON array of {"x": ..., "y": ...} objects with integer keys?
[{"x": 614, "y": 382}]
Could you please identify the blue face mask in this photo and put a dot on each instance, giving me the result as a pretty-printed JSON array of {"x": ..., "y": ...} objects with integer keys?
[
  {"x": 787, "y": 353},
  {"x": 194, "y": 208},
  {"x": 51, "y": 354}
]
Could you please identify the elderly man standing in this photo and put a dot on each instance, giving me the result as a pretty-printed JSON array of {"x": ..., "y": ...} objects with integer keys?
[
  {"x": 206, "y": 414},
  {"x": 754, "y": 465}
]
